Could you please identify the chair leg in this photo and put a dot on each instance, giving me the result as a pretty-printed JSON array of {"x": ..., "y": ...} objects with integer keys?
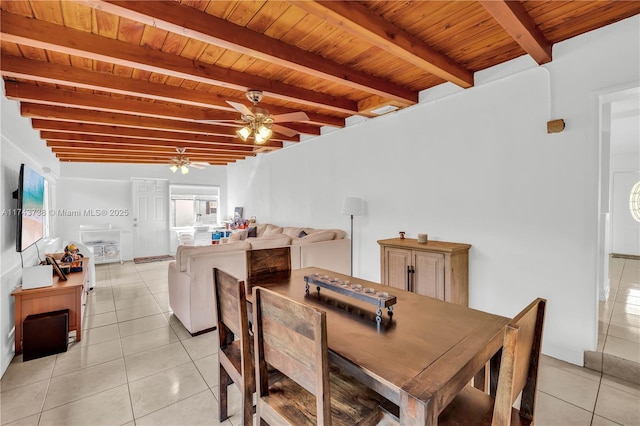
[
  {"x": 223, "y": 382},
  {"x": 247, "y": 406}
]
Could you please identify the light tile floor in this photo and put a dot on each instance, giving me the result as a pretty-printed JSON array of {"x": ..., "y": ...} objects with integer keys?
[
  {"x": 618, "y": 351},
  {"x": 137, "y": 365}
]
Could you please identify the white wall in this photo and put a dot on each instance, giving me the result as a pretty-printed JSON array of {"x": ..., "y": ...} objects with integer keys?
[
  {"x": 19, "y": 144},
  {"x": 108, "y": 186},
  {"x": 475, "y": 167}
]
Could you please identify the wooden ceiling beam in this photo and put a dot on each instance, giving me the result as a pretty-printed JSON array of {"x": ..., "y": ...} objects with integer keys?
[
  {"x": 111, "y": 118},
  {"x": 62, "y": 147},
  {"x": 47, "y": 72},
  {"x": 55, "y": 96},
  {"x": 158, "y": 136},
  {"x": 59, "y": 138},
  {"x": 103, "y": 159},
  {"x": 515, "y": 20},
  {"x": 123, "y": 153},
  {"x": 190, "y": 22},
  {"x": 359, "y": 21},
  {"x": 65, "y": 98},
  {"x": 57, "y": 38}
]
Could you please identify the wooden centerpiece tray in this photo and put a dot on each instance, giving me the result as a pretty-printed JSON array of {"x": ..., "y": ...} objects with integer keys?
[{"x": 379, "y": 299}]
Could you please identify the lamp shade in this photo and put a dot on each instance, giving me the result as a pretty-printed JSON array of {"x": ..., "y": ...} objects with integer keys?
[{"x": 352, "y": 206}]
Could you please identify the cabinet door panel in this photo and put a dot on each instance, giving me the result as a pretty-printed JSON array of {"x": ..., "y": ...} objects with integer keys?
[
  {"x": 429, "y": 274},
  {"x": 397, "y": 261}
]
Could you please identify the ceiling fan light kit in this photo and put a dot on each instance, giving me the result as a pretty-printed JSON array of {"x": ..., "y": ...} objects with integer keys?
[
  {"x": 258, "y": 121},
  {"x": 181, "y": 162}
]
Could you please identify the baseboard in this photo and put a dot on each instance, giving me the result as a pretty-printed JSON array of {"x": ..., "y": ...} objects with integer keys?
[
  {"x": 9, "y": 280},
  {"x": 197, "y": 333},
  {"x": 626, "y": 256}
]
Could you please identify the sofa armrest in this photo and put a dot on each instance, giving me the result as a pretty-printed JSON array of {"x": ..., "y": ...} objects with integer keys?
[
  {"x": 191, "y": 295},
  {"x": 179, "y": 284}
]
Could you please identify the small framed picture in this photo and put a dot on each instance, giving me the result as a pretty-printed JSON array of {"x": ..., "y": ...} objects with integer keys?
[{"x": 56, "y": 268}]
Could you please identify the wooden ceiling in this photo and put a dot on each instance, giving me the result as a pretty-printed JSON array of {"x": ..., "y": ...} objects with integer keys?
[{"x": 131, "y": 81}]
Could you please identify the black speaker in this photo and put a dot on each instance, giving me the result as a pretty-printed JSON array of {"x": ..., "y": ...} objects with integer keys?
[{"x": 45, "y": 334}]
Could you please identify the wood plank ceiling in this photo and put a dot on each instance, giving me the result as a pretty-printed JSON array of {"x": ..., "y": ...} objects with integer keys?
[{"x": 131, "y": 81}]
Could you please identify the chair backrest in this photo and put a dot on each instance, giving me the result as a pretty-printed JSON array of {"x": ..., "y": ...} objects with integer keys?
[
  {"x": 519, "y": 364},
  {"x": 231, "y": 304},
  {"x": 268, "y": 261},
  {"x": 292, "y": 338}
]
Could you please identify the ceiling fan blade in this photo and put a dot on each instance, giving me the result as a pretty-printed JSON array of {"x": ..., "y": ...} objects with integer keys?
[
  {"x": 222, "y": 121},
  {"x": 200, "y": 163},
  {"x": 284, "y": 130},
  {"x": 195, "y": 166},
  {"x": 244, "y": 110},
  {"x": 290, "y": 117}
]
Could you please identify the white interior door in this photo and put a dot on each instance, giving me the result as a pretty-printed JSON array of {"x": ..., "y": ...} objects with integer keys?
[
  {"x": 150, "y": 217},
  {"x": 625, "y": 230}
]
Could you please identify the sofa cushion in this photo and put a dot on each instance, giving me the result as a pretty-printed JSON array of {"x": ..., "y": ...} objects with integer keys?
[
  {"x": 291, "y": 231},
  {"x": 260, "y": 228},
  {"x": 238, "y": 235},
  {"x": 183, "y": 253},
  {"x": 272, "y": 230},
  {"x": 340, "y": 234},
  {"x": 314, "y": 238},
  {"x": 271, "y": 241}
]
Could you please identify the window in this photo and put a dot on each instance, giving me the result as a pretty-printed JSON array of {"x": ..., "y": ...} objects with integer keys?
[
  {"x": 634, "y": 201},
  {"x": 194, "y": 205}
]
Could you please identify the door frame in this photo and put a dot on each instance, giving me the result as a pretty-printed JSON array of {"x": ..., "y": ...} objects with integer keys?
[{"x": 603, "y": 244}]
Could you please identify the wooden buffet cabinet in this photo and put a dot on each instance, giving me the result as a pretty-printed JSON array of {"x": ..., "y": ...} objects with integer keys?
[
  {"x": 70, "y": 294},
  {"x": 437, "y": 269}
]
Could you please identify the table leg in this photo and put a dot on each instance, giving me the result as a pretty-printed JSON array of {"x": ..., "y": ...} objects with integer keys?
[
  {"x": 494, "y": 369},
  {"x": 416, "y": 412},
  {"x": 480, "y": 379}
]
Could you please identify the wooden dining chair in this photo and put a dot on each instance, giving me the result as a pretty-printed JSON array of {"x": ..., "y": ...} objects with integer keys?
[
  {"x": 518, "y": 372},
  {"x": 235, "y": 356},
  {"x": 292, "y": 338},
  {"x": 268, "y": 261}
]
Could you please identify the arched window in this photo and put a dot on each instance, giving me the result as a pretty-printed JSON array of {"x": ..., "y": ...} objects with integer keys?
[{"x": 634, "y": 201}]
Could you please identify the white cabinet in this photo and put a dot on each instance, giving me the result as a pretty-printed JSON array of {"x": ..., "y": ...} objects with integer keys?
[{"x": 104, "y": 243}]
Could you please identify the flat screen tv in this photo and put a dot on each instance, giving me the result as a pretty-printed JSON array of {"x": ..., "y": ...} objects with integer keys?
[{"x": 30, "y": 195}]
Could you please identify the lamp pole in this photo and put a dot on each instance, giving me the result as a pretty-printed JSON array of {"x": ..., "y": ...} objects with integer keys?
[
  {"x": 351, "y": 238},
  {"x": 352, "y": 206}
]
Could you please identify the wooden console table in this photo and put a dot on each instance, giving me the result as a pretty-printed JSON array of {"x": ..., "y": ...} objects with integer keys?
[
  {"x": 437, "y": 269},
  {"x": 70, "y": 294}
]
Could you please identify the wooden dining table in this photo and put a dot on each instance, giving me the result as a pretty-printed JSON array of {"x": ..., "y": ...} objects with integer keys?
[{"x": 419, "y": 358}]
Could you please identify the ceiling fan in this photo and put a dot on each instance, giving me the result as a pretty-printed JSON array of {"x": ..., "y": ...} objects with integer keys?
[
  {"x": 259, "y": 123},
  {"x": 180, "y": 162}
]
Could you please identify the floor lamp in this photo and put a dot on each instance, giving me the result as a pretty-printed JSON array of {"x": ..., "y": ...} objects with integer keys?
[{"x": 352, "y": 206}]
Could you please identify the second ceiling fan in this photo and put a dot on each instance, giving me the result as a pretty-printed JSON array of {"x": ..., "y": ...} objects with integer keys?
[{"x": 259, "y": 123}]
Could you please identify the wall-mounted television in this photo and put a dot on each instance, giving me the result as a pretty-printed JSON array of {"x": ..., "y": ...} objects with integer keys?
[{"x": 30, "y": 209}]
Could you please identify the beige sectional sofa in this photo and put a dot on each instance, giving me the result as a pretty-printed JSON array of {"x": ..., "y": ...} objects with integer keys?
[{"x": 191, "y": 294}]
